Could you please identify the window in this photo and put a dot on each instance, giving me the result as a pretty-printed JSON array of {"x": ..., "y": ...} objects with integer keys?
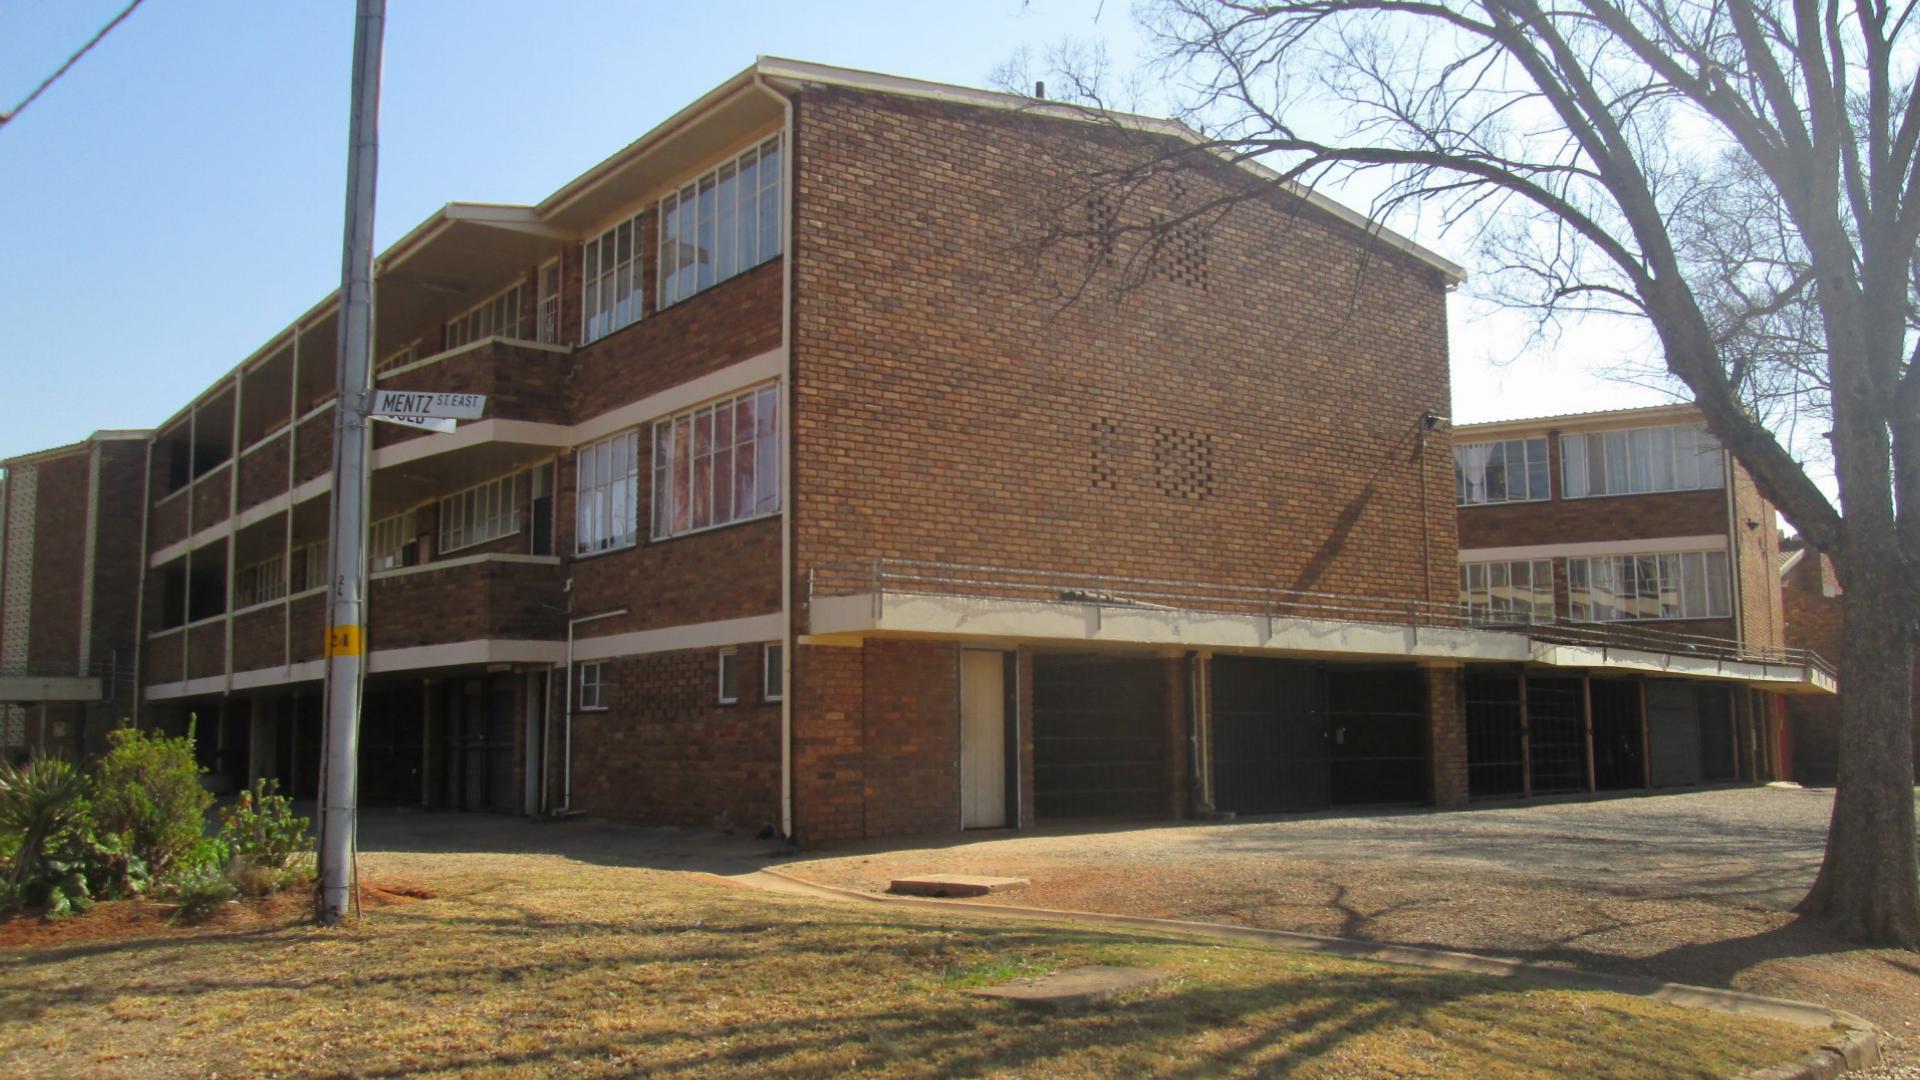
[
  {"x": 313, "y": 565},
  {"x": 717, "y": 464},
  {"x": 605, "y": 512},
  {"x": 399, "y": 357},
  {"x": 724, "y": 223},
  {"x": 610, "y": 280},
  {"x": 1644, "y": 459},
  {"x": 729, "y": 676},
  {"x": 1494, "y": 472},
  {"x": 1681, "y": 585},
  {"x": 547, "y": 314},
  {"x": 497, "y": 316},
  {"x": 481, "y": 513},
  {"x": 1507, "y": 592},
  {"x": 390, "y": 541},
  {"x": 593, "y": 686},
  {"x": 263, "y": 581},
  {"x": 771, "y": 657}
]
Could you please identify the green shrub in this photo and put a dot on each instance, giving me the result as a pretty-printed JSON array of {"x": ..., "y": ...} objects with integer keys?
[
  {"x": 200, "y": 890},
  {"x": 267, "y": 840},
  {"x": 147, "y": 790},
  {"x": 43, "y": 818}
]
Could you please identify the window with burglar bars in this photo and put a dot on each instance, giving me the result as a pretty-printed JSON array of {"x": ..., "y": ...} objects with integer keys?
[
  {"x": 1515, "y": 470},
  {"x": 497, "y": 316},
  {"x": 1680, "y": 585},
  {"x": 1683, "y": 458},
  {"x": 1507, "y": 592},
  {"x": 722, "y": 224},
  {"x": 717, "y": 464},
  {"x": 313, "y": 565},
  {"x": 484, "y": 512},
  {"x": 607, "y": 479},
  {"x": 546, "y": 313}
]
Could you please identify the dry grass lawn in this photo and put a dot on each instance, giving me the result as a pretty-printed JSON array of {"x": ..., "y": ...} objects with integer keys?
[{"x": 537, "y": 964}]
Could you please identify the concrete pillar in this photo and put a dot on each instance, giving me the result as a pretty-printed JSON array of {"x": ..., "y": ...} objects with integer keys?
[{"x": 1447, "y": 741}]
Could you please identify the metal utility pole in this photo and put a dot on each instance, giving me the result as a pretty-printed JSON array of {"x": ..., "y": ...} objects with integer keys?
[{"x": 347, "y": 564}]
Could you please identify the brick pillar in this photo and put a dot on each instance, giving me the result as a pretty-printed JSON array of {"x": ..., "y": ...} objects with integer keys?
[
  {"x": 829, "y": 751},
  {"x": 1447, "y": 742}
]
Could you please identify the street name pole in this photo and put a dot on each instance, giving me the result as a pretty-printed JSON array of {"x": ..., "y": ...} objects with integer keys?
[{"x": 346, "y": 596}]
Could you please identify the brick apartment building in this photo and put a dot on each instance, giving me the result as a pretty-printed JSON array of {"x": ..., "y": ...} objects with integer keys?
[
  {"x": 801, "y": 502},
  {"x": 69, "y": 564},
  {"x": 1812, "y": 592},
  {"x": 1637, "y": 522}
]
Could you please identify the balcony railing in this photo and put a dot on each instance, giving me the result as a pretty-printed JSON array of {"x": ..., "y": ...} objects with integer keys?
[{"x": 882, "y": 577}]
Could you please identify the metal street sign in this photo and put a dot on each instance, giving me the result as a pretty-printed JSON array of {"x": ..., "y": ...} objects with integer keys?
[
  {"x": 421, "y": 423},
  {"x": 430, "y": 403}
]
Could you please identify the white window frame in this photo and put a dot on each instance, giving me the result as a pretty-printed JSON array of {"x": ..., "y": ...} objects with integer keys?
[
  {"x": 265, "y": 580},
  {"x": 677, "y": 457},
  {"x": 546, "y": 310},
  {"x": 772, "y": 659},
  {"x": 728, "y": 670},
  {"x": 1491, "y": 592},
  {"x": 388, "y": 538},
  {"x": 495, "y": 512},
  {"x": 606, "y": 473},
  {"x": 1699, "y": 581},
  {"x": 602, "y": 273},
  {"x": 504, "y": 314},
  {"x": 708, "y": 207},
  {"x": 593, "y": 686},
  {"x": 1471, "y": 459},
  {"x": 1650, "y": 460}
]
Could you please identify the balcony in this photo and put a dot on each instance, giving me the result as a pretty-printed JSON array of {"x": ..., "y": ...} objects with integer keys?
[
  {"x": 523, "y": 381},
  {"x": 481, "y": 597}
]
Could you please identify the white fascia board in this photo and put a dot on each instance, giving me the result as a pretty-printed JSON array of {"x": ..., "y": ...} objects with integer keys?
[
  {"x": 707, "y": 635},
  {"x": 1656, "y": 546},
  {"x": 26, "y": 689}
]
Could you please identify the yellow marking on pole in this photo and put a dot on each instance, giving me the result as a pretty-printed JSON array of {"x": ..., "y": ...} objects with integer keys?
[{"x": 345, "y": 641}]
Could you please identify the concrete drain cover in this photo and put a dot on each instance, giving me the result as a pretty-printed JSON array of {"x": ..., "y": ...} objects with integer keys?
[
  {"x": 954, "y": 885},
  {"x": 1072, "y": 988}
]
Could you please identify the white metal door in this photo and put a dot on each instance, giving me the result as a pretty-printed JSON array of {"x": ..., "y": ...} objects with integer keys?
[{"x": 983, "y": 740}]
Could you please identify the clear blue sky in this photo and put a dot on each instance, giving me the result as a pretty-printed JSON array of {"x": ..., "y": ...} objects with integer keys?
[{"x": 177, "y": 198}]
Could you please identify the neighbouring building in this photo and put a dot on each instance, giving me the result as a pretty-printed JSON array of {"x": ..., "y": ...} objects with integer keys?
[
  {"x": 69, "y": 573},
  {"x": 803, "y": 502},
  {"x": 1633, "y": 523},
  {"x": 1813, "y": 620}
]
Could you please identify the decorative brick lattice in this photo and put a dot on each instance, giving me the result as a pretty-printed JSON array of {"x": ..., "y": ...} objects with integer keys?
[
  {"x": 1181, "y": 255},
  {"x": 1106, "y": 452},
  {"x": 1182, "y": 463}
]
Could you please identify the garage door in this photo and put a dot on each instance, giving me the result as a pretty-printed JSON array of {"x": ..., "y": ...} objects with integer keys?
[
  {"x": 1270, "y": 736},
  {"x": 1099, "y": 737},
  {"x": 1496, "y": 737},
  {"x": 1673, "y": 730},
  {"x": 1557, "y": 735},
  {"x": 1718, "y": 760},
  {"x": 1378, "y": 718}
]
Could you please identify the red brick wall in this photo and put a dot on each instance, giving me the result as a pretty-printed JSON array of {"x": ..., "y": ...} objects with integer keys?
[
  {"x": 467, "y": 602},
  {"x": 520, "y": 384},
  {"x": 259, "y": 638},
  {"x": 116, "y": 589},
  {"x": 210, "y": 496},
  {"x": 207, "y": 649},
  {"x": 665, "y": 752},
  {"x": 1576, "y": 521},
  {"x": 1757, "y": 564},
  {"x": 309, "y": 616},
  {"x": 263, "y": 472},
  {"x": 829, "y": 692},
  {"x": 947, "y": 409},
  {"x": 169, "y": 521},
  {"x": 160, "y": 659},
  {"x": 313, "y": 447},
  {"x": 911, "y": 737},
  {"x": 59, "y": 558}
]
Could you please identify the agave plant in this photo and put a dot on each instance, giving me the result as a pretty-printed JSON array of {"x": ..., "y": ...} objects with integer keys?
[{"x": 37, "y": 802}]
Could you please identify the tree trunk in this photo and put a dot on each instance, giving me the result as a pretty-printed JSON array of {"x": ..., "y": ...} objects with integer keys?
[{"x": 1869, "y": 884}]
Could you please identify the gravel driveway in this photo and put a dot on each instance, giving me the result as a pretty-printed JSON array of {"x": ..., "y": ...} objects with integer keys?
[{"x": 1694, "y": 887}]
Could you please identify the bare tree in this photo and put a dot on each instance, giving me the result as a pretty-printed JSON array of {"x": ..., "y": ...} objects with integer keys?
[{"x": 1743, "y": 177}]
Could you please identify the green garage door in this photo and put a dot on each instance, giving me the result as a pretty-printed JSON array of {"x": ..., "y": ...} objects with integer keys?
[{"x": 1099, "y": 737}]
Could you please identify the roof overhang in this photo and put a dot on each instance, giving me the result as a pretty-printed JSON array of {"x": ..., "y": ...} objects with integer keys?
[
  {"x": 1589, "y": 421},
  {"x": 848, "y": 620}
]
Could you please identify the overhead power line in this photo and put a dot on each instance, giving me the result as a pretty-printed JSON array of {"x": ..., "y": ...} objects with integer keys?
[{"x": 7, "y": 117}]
